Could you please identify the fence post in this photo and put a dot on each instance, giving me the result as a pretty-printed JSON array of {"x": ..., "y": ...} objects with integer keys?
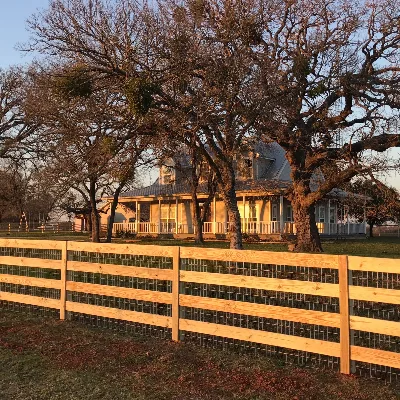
[
  {"x": 175, "y": 293},
  {"x": 63, "y": 295},
  {"x": 344, "y": 305}
]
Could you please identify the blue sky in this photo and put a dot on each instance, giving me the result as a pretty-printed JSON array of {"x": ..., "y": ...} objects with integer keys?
[{"x": 13, "y": 16}]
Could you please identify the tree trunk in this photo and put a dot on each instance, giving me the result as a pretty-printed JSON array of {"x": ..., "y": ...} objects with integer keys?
[
  {"x": 94, "y": 213},
  {"x": 307, "y": 239},
  {"x": 88, "y": 221},
  {"x": 371, "y": 232},
  {"x": 114, "y": 206},
  {"x": 235, "y": 226},
  {"x": 197, "y": 221}
]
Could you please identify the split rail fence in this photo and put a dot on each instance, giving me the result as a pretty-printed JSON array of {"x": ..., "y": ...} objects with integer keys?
[{"x": 343, "y": 308}]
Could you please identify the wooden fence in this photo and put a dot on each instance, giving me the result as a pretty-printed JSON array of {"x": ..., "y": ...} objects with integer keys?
[{"x": 40, "y": 254}]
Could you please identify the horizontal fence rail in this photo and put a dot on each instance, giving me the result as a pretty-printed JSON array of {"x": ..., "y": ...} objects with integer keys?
[{"x": 340, "y": 307}]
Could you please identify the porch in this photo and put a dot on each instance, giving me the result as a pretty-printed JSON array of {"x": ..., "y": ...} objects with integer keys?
[{"x": 260, "y": 215}]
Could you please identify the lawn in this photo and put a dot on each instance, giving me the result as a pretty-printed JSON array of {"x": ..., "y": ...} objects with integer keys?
[
  {"x": 388, "y": 247},
  {"x": 50, "y": 359}
]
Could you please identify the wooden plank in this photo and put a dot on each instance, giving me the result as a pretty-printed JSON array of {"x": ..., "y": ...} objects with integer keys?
[
  {"x": 31, "y": 244},
  {"x": 344, "y": 315},
  {"x": 32, "y": 300},
  {"x": 133, "y": 249},
  {"x": 28, "y": 281},
  {"x": 175, "y": 294},
  {"x": 374, "y": 356},
  {"x": 280, "y": 285},
  {"x": 132, "y": 316},
  {"x": 262, "y": 310},
  {"x": 375, "y": 325},
  {"x": 391, "y": 296},
  {"x": 269, "y": 338},
  {"x": 30, "y": 262},
  {"x": 120, "y": 270},
  {"x": 262, "y": 257},
  {"x": 385, "y": 265},
  {"x": 116, "y": 291},
  {"x": 63, "y": 283}
]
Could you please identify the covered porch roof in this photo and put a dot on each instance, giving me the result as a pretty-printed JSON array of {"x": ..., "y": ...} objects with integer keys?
[{"x": 262, "y": 187}]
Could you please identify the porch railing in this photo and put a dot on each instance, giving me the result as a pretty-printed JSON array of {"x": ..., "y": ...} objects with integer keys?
[{"x": 251, "y": 227}]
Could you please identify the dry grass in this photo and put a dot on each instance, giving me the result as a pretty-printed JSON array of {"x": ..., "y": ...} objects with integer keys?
[{"x": 49, "y": 359}]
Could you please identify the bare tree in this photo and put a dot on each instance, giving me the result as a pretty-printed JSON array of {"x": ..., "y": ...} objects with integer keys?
[
  {"x": 186, "y": 62},
  {"x": 14, "y": 126},
  {"x": 88, "y": 135},
  {"x": 378, "y": 202},
  {"x": 334, "y": 66},
  {"x": 25, "y": 191}
]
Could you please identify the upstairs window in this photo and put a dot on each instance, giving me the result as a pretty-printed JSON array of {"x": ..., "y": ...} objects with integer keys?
[{"x": 167, "y": 175}]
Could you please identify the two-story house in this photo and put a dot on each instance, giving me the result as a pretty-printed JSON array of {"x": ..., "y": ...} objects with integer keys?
[{"x": 262, "y": 177}]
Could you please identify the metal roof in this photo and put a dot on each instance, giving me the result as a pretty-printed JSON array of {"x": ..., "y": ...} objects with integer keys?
[{"x": 157, "y": 190}]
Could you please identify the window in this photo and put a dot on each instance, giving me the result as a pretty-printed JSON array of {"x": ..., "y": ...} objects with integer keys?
[
  {"x": 167, "y": 175},
  {"x": 274, "y": 214},
  {"x": 321, "y": 213},
  {"x": 332, "y": 212},
  {"x": 250, "y": 211},
  {"x": 289, "y": 215},
  {"x": 167, "y": 212}
]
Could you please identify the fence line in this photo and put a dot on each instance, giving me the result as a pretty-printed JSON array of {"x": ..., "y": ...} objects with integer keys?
[{"x": 177, "y": 280}]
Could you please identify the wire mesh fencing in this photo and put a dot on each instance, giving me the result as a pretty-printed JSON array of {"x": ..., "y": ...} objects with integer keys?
[{"x": 220, "y": 303}]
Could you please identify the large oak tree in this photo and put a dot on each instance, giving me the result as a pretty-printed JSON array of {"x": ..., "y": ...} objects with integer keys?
[{"x": 335, "y": 68}]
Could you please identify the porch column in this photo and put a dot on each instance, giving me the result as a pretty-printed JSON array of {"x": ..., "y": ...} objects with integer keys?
[
  {"x": 169, "y": 207},
  {"x": 137, "y": 217},
  {"x": 282, "y": 228},
  {"x": 226, "y": 228},
  {"x": 159, "y": 216},
  {"x": 244, "y": 214},
  {"x": 215, "y": 215},
  {"x": 176, "y": 215},
  {"x": 329, "y": 217},
  {"x": 348, "y": 221}
]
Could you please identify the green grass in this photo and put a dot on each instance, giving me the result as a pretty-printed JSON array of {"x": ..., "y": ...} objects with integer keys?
[
  {"x": 49, "y": 359},
  {"x": 372, "y": 247},
  {"x": 388, "y": 247},
  {"x": 45, "y": 235}
]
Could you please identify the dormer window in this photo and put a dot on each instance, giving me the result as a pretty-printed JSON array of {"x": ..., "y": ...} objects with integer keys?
[{"x": 167, "y": 175}]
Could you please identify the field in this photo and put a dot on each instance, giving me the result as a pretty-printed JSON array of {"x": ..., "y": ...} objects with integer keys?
[{"x": 49, "y": 359}]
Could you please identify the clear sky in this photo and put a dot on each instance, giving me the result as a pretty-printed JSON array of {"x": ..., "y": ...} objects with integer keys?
[{"x": 13, "y": 16}]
